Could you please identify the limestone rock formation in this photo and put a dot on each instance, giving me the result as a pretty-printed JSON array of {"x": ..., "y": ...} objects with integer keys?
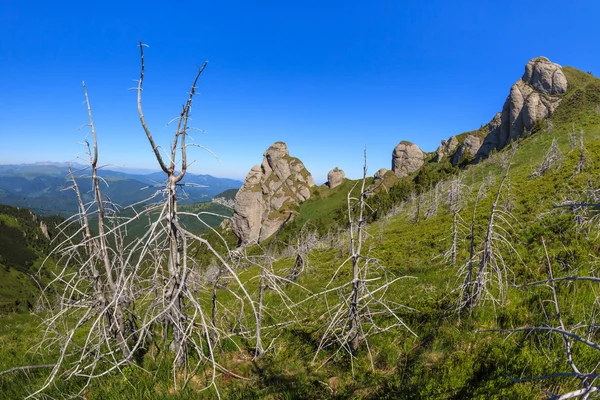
[
  {"x": 446, "y": 149},
  {"x": 225, "y": 224},
  {"x": 269, "y": 194},
  {"x": 406, "y": 159},
  {"x": 379, "y": 175},
  {"x": 335, "y": 178},
  {"x": 545, "y": 76},
  {"x": 532, "y": 98},
  {"x": 382, "y": 178},
  {"x": 468, "y": 148}
]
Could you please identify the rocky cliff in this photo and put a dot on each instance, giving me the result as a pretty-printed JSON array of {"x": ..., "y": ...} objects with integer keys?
[
  {"x": 270, "y": 194},
  {"x": 532, "y": 98}
]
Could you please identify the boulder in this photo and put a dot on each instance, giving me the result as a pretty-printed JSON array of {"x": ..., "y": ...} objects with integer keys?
[
  {"x": 383, "y": 179},
  {"x": 335, "y": 178},
  {"x": 545, "y": 76},
  {"x": 446, "y": 149},
  {"x": 379, "y": 175},
  {"x": 407, "y": 158},
  {"x": 269, "y": 195},
  {"x": 468, "y": 148}
]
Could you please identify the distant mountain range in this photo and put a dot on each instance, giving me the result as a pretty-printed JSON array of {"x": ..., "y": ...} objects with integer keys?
[{"x": 44, "y": 187}]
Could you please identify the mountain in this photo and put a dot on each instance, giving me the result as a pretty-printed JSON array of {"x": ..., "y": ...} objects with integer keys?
[
  {"x": 477, "y": 276},
  {"x": 43, "y": 187},
  {"x": 521, "y": 202}
]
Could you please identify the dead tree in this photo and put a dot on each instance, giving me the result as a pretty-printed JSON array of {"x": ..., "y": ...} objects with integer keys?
[
  {"x": 585, "y": 206},
  {"x": 306, "y": 240},
  {"x": 455, "y": 200},
  {"x": 176, "y": 266},
  {"x": 578, "y": 334},
  {"x": 127, "y": 294},
  {"x": 356, "y": 307},
  {"x": 91, "y": 277},
  {"x": 434, "y": 195},
  {"x": 492, "y": 266},
  {"x": 269, "y": 281},
  {"x": 416, "y": 204},
  {"x": 356, "y": 240},
  {"x": 581, "y": 162},
  {"x": 467, "y": 286},
  {"x": 549, "y": 125},
  {"x": 550, "y": 161}
]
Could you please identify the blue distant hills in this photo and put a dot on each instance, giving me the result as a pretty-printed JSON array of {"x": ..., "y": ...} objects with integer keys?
[{"x": 43, "y": 187}]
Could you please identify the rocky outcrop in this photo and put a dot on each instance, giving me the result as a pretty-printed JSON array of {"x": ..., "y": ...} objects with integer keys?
[
  {"x": 446, "y": 149},
  {"x": 379, "y": 175},
  {"x": 406, "y": 159},
  {"x": 335, "y": 178},
  {"x": 43, "y": 226},
  {"x": 225, "y": 224},
  {"x": 269, "y": 195},
  {"x": 545, "y": 76},
  {"x": 532, "y": 98},
  {"x": 382, "y": 178},
  {"x": 468, "y": 148}
]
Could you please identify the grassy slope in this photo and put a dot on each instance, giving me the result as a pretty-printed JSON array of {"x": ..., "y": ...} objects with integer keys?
[{"x": 447, "y": 358}]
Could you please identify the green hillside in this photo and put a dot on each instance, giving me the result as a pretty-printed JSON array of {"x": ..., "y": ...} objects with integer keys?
[
  {"x": 228, "y": 194},
  {"x": 197, "y": 217},
  {"x": 23, "y": 248},
  {"x": 520, "y": 209}
]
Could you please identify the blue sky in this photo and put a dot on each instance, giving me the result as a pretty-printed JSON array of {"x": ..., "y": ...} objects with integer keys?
[{"x": 326, "y": 77}]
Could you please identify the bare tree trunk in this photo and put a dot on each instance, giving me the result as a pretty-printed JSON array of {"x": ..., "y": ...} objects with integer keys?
[
  {"x": 454, "y": 236},
  {"x": 213, "y": 314},
  {"x": 118, "y": 328},
  {"x": 481, "y": 282},
  {"x": 176, "y": 280},
  {"x": 299, "y": 264},
  {"x": 581, "y": 162},
  {"x": 454, "y": 207},
  {"x": 260, "y": 351},
  {"x": 468, "y": 285},
  {"x": 454, "y": 202},
  {"x": 355, "y": 246},
  {"x": 103, "y": 278},
  {"x": 419, "y": 199},
  {"x": 98, "y": 282},
  {"x": 177, "y": 275}
]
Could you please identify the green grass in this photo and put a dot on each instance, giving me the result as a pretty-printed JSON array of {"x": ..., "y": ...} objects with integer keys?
[{"x": 325, "y": 201}]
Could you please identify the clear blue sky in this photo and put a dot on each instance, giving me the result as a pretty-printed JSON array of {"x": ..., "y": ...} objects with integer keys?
[{"x": 326, "y": 77}]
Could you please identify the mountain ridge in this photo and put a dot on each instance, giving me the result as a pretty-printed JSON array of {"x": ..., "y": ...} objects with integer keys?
[{"x": 42, "y": 187}]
